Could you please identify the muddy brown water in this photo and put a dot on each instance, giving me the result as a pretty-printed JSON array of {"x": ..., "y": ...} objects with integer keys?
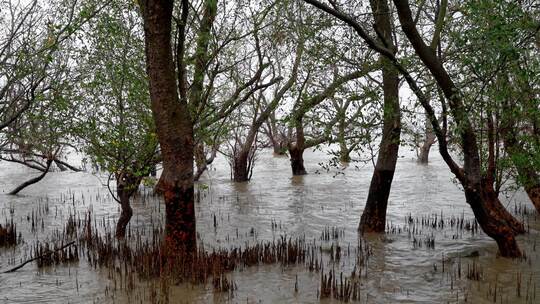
[{"x": 406, "y": 266}]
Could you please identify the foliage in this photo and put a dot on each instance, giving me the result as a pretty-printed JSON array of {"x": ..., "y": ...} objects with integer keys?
[{"x": 115, "y": 124}]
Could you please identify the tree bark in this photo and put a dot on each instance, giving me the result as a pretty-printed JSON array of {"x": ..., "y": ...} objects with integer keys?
[
  {"x": 485, "y": 206},
  {"x": 297, "y": 160},
  {"x": 174, "y": 129},
  {"x": 296, "y": 149},
  {"x": 374, "y": 215},
  {"x": 241, "y": 167},
  {"x": 125, "y": 217}
]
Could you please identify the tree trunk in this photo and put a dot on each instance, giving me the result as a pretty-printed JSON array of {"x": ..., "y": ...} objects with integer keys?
[
  {"x": 296, "y": 149},
  {"x": 343, "y": 149},
  {"x": 174, "y": 129},
  {"x": 297, "y": 160},
  {"x": 374, "y": 215},
  {"x": 423, "y": 157},
  {"x": 241, "y": 167},
  {"x": 485, "y": 206},
  {"x": 344, "y": 153},
  {"x": 274, "y": 136},
  {"x": 125, "y": 215},
  {"x": 429, "y": 140},
  {"x": 126, "y": 185},
  {"x": 200, "y": 161},
  {"x": 491, "y": 215},
  {"x": 33, "y": 180}
]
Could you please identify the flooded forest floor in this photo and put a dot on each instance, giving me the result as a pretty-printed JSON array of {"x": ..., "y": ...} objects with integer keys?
[{"x": 276, "y": 239}]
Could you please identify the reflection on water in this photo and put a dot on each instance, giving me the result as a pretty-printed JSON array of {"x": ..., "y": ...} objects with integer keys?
[{"x": 406, "y": 265}]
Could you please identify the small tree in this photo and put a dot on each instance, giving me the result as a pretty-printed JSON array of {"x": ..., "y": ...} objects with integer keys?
[
  {"x": 35, "y": 73},
  {"x": 116, "y": 126}
]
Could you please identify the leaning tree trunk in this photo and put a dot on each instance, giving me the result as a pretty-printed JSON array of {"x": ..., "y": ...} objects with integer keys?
[
  {"x": 33, "y": 180},
  {"x": 174, "y": 129},
  {"x": 60, "y": 166},
  {"x": 374, "y": 216},
  {"x": 485, "y": 206},
  {"x": 489, "y": 212}
]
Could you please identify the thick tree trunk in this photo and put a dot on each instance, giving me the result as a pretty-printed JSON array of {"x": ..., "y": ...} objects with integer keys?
[
  {"x": 33, "y": 180},
  {"x": 296, "y": 149},
  {"x": 297, "y": 160},
  {"x": 485, "y": 206},
  {"x": 374, "y": 215},
  {"x": 423, "y": 157},
  {"x": 241, "y": 167},
  {"x": 495, "y": 206},
  {"x": 174, "y": 129}
]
